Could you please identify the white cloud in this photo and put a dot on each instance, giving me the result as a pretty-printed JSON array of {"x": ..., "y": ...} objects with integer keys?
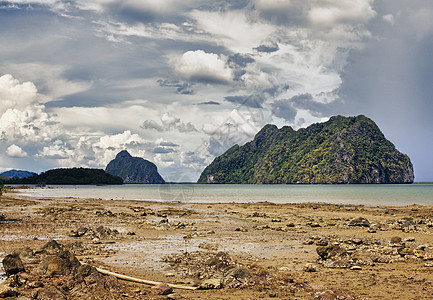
[
  {"x": 330, "y": 13},
  {"x": 50, "y": 79},
  {"x": 232, "y": 29},
  {"x": 15, "y": 151},
  {"x": 203, "y": 67},
  {"x": 57, "y": 150},
  {"x": 15, "y": 95},
  {"x": 389, "y": 18}
]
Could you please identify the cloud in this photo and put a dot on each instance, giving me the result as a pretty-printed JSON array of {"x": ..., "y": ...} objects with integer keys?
[
  {"x": 284, "y": 109},
  {"x": 232, "y": 29},
  {"x": 169, "y": 122},
  {"x": 164, "y": 150},
  {"x": 254, "y": 101},
  {"x": 168, "y": 144},
  {"x": 15, "y": 151},
  {"x": 58, "y": 150},
  {"x": 15, "y": 95},
  {"x": 267, "y": 48},
  {"x": 205, "y": 67},
  {"x": 183, "y": 88},
  {"x": 389, "y": 18},
  {"x": 209, "y": 103},
  {"x": 332, "y": 13},
  {"x": 151, "y": 124}
]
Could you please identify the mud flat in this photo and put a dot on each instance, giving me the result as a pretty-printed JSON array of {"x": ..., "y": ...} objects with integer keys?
[{"x": 226, "y": 251}]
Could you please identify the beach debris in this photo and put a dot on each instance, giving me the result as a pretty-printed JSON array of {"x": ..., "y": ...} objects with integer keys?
[{"x": 138, "y": 280}]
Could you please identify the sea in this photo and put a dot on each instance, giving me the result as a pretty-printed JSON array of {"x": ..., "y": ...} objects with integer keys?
[{"x": 355, "y": 194}]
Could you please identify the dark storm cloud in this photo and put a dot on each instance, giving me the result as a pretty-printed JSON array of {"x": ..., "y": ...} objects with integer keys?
[
  {"x": 163, "y": 150},
  {"x": 209, "y": 103},
  {"x": 267, "y": 48},
  {"x": 253, "y": 101},
  {"x": 183, "y": 88},
  {"x": 284, "y": 109},
  {"x": 241, "y": 60}
]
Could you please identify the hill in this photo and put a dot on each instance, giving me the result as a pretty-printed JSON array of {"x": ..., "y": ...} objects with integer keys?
[
  {"x": 341, "y": 150},
  {"x": 17, "y": 174},
  {"x": 134, "y": 169},
  {"x": 70, "y": 176}
]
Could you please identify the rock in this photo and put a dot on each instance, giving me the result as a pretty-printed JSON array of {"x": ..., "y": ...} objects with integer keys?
[
  {"x": 309, "y": 267},
  {"x": 134, "y": 169},
  {"x": 371, "y": 230},
  {"x": 6, "y": 291},
  {"x": 360, "y": 221},
  {"x": 211, "y": 283},
  {"x": 308, "y": 242},
  {"x": 162, "y": 289},
  {"x": 356, "y": 268},
  {"x": 326, "y": 252},
  {"x": 396, "y": 240},
  {"x": 63, "y": 263},
  {"x": 322, "y": 242},
  {"x": 26, "y": 255},
  {"x": 409, "y": 239},
  {"x": 49, "y": 293},
  {"x": 12, "y": 264},
  {"x": 52, "y": 247},
  {"x": 356, "y": 241}
]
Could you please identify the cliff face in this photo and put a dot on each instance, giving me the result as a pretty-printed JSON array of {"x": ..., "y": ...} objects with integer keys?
[
  {"x": 134, "y": 169},
  {"x": 341, "y": 150}
]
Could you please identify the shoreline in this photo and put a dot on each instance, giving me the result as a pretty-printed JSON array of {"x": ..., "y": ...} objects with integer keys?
[{"x": 148, "y": 239}]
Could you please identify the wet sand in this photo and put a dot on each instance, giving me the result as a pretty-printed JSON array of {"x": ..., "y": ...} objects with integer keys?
[{"x": 272, "y": 244}]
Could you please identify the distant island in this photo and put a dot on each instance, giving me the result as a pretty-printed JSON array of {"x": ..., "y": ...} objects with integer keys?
[
  {"x": 17, "y": 174},
  {"x": 69, "y": 176},
  {"x": 341, "y": 150},
  {"x": 134, "y": 169}
]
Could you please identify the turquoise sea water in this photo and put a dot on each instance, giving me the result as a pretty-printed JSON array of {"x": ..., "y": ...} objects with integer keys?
[{"x": 371, "y": 195}]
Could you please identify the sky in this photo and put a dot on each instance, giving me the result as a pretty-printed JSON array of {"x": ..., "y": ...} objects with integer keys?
[{"x": 180, "y": 82}]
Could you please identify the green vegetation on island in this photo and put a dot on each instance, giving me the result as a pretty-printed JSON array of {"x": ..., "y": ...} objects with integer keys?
[
  {"x": 341, "y": 150},
  {"x": 70, "y": 176},
  {"x": 134, "y": 169}
]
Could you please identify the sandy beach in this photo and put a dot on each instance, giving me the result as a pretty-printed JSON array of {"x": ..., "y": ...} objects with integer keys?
[{"x": 227, "y": 250}]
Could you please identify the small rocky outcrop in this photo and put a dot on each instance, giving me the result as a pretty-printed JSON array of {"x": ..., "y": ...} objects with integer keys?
[{"x": 134, "y": 169}]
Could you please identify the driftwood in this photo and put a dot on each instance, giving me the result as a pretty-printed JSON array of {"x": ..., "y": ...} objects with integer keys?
[{"x": 133, "y": 279}]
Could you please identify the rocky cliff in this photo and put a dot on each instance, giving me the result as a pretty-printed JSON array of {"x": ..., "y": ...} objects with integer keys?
[
  {"x": 134, "y": 169},
  {"x": 341, "y": 150}
]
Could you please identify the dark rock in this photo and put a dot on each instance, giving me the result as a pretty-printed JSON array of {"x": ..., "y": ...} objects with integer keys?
[
  {"x": 326, "y": 252},
  {"x": 12, "y": 264},
  {"x": 322, "y": 242},
  {"x": 6, "y": 291},
  {"x": 396, "y": 240},
  {"x": 52, "y": 247},
  {"x": 63, "y": 263},
  {"x": 26, "y": 255},
  {"x": 134, "y": 169},
  {"x": 162, "y": 289},
  {"x": 49, "y": 293},
  {"x": 360, "y": 221}
]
